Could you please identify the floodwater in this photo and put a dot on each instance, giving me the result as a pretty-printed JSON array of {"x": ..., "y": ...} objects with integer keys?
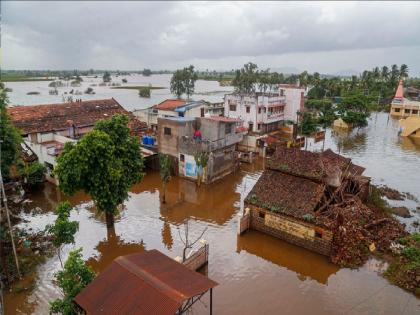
[
  {"x": 257, "y": 274},
  {"x": 128, "y": 98}
]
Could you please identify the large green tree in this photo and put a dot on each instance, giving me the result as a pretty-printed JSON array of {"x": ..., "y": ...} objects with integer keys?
[
  {"x": 10, "y": 138},
  {"x": 104, "y": 163},
  {"x": 190, "y": 76}
]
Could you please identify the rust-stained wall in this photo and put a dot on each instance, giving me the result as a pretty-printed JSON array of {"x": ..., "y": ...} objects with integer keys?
[
  {"x": 169, "y": 144},
  {"x": 291, "y": 230}
]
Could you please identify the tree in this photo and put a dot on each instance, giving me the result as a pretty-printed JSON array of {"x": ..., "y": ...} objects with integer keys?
[
  {"x": 246, "y": 78},
  {"x": 10, "y": 138},
  {"x": 71, "y": 280},
  {"x": 165, "y": 172},
  {"x": 354, "y": 110},
  {"x": 145, "y": 91},
  {"x": 190, "y": 76},
  {"x": 63, "y": 230},
  {"x": 104, "y": 163},
  {"x": 403, "y": 71},
  {"x": 201, "y": 159},
  {"x": 178, "y": 83},
  {"x": 146, "y": 72},
  {"x": 106, "y": 77}
]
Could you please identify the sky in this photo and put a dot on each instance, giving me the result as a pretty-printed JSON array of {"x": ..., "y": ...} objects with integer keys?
[{"x": 327, "y": 37}]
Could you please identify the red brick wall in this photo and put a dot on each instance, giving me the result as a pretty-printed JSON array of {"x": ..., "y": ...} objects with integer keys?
[
  {"x": 319, "y": 245},
  {"x": 198, "y": 259}
]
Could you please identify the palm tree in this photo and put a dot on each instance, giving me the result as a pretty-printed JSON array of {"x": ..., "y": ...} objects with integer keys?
[
  {"x": 385, "y": 73},
  {"x": 403, "y": 71}
]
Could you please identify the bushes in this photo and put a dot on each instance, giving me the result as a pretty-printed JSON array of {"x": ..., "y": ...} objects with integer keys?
[
  {"x": 34, "y": 173},
  {"x": 144, "y": 91}
]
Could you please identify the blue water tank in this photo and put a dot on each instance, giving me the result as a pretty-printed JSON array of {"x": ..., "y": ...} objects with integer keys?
[
  {"x": 151, "y": 141},
  {"x": 145, "y": 140}
]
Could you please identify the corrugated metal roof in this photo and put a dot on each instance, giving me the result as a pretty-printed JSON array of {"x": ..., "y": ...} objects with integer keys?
[{"x": 144, "y": 283}]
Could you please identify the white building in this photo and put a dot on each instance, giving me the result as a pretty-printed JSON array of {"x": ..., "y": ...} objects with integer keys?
[
  {"x": 265, "y": 112},
  {"x": 295, "y": 99},
  {"x": 261, "y": 112}
]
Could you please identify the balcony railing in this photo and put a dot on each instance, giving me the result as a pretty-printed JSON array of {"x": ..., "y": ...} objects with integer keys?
[{"x": 190, "y": 146}]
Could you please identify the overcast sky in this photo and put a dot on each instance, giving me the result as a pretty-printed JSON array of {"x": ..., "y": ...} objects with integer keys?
[{"x": 325, "y": 37}]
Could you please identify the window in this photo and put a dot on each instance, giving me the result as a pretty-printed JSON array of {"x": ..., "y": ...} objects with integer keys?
[
  {"x": 259, "y": 110},
  {"x": 232, "y": 108},
  {"x": 228, "y": 128},
  {"x": 318, "y": 234},
  {"x": 265, "y": 110},
  {"x": 182, "y": 157},
  {"x": 407, "y": 111},
  {"x": 397, "y": 110},
  {"x": 261, "y": 215},
  {"x": 414, "y": 111},
  {"x": 167, "y": 131},
  {"x": 248, "y": 109},
  {"x": 202, "y": 112},
  {"x": 259, "y": 126}
]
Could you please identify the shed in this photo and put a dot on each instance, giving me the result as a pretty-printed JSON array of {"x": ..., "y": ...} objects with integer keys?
[{"x": 144, "y": 283}]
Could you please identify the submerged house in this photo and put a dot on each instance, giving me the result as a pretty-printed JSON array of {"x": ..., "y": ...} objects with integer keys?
[
  {"x": 296, "y": 185},
  {"x": 183, "y": 138},
  {"x": 46, "y": 128}
]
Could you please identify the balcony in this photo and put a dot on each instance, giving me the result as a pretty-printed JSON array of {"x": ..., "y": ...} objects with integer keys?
[{"x": 190, "y": 146}]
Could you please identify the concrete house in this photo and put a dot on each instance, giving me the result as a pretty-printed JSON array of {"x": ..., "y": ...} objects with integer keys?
[
  {"x": 46, "y": 128},
  {"x": 175, "y": 108},
  {"x": 219, "y": 136}
]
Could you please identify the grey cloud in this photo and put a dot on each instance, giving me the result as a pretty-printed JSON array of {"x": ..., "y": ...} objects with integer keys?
[{"x": 132, "y": 35}]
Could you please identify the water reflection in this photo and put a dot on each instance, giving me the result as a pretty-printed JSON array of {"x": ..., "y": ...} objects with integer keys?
[{"x": 304, "y": 263}]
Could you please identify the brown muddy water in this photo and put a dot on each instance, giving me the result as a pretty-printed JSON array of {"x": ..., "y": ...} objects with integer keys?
[{"x": 257, "y": 274}]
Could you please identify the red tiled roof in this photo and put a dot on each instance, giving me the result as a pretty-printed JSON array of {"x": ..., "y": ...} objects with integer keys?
[
  {"x": 287, "y": 194},
  {"x": 54, "y": 117},
  {"x": 170, "y": 104},
  {"x": 399, "y": 94},
  {"x": 223, "y": 119},
  {"x": 145, "y": 283}
]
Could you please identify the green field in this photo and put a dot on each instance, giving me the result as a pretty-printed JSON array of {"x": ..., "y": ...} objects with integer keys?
[
  {"x": 20, "y": 78},
  {"x": 138, "y": 87}
]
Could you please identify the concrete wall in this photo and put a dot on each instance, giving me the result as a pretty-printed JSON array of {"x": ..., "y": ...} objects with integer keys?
[
  {"x": 169, "y": 144},
  {"x": 294, "y": 102},
  {"x": 291, "y": 230},
  {"x": 411, "y": 109}
]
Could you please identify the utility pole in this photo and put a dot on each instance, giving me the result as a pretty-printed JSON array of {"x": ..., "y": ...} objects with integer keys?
[{"x": 4, "y": 198}]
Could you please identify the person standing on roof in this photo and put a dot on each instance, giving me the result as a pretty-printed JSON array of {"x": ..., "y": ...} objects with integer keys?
[{"x": 197, "y": 135}]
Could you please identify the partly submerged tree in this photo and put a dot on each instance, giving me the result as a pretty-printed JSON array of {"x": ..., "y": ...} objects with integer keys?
[
  {"x": 201, "y": 159},
  {"x": 177, "y": 83},
  {"x": 71, "y": 280},
  {"x": 63, "y": 229},
  {"x": 354, "y": 109},
  {"x": 165, "y": 172},
  {"x": 104, "y": 163},
  {"x": 146, "y": 72},
  {"x": 106, "y": 77},
  {"x": 190, "y": 76},
  {"x": 10, "y": 138},
  {"x": 183, "y": 81}
]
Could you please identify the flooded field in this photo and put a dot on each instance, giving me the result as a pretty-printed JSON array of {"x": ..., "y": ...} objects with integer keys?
[
  {"x": 129, "y": 98},
  {"x": 257, "y": 274}
]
